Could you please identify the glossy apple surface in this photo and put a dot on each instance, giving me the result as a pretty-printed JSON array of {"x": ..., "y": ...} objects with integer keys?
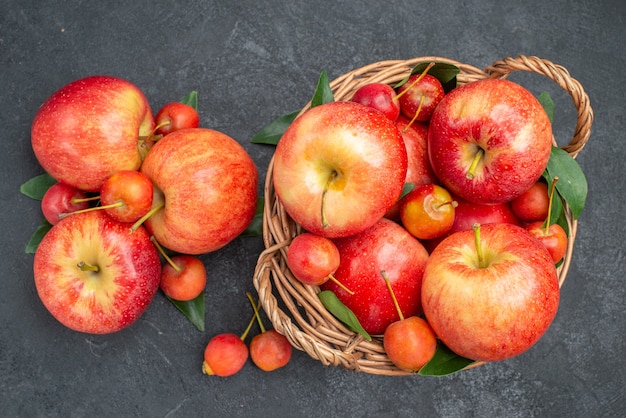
[
  {"x": 489, "y": 141},
  {"x": 496, "y": 308},
  {"x": 339, "y": 167},
  {"x": 207, "y": 183},
  {"x": 91, "y": 128},
  {"x": 388, "y": 247},
  {"x": 117, "y": 281}
]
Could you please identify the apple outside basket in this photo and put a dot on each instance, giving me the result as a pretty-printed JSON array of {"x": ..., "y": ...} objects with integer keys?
[{"x": 293, "y": 308}]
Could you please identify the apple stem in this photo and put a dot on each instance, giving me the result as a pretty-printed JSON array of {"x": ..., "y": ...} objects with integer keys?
[
  {"x": 417, "y": 80},
  {"x": 341, "y": 285},
  {"x": 479, "y": 247},
  {"x": 393, "y": 295},
  {"x": 151, "y": 212},
  {"x": 471, "y": 172},
  {"x": 87, "y": 267},
  {"x": 452, "y": 203},
  {"x": 256, "y": 311},
  {"x": 331, "y": 177},
  {"x": 111, "y": 206},
  {"x": 552, "y": 188},
  {"x": 165, "y": 256},
  {"x": 417, "y": 112}
]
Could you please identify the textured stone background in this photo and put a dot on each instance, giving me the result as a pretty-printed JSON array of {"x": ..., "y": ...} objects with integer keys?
[{"x": 251, "y": 61}]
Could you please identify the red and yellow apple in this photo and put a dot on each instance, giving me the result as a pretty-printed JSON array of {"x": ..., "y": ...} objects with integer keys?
[
  {"x": 489, "y": 141},
  {"x": 490, "y": 293},
  {"x": 91, "y": 128},
  {"x": 384, "y": 249},
  {"x": 205, "y": 190},
  {"x": 93, "y": 275},
  {"x": 339, "y": 167}
]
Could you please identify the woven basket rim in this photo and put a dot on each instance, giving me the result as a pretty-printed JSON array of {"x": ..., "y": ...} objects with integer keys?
[{"x": 293, "y": 308}]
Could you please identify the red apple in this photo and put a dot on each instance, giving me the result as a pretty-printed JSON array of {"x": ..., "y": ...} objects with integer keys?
[
  {"x": 379, "y": 96},
  {"x": 175, "y": 116},
  {"x": 489, "y": 141},
  {"x": 385, "y": 248},
  {"x": 206, "y": 183},
  {"x": 93, "y": 275},
  {"x": 339, "y": 167},
  {"x": 490, "y": 294},
  {"x": 91, "y": 128},
  {"x": 61, "y": 198}
]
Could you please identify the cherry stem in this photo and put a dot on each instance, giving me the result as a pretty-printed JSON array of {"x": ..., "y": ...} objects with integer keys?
[
  {"x": 165, "y": 256},
  {"x": 479, "y": 247},
  {"x": 393, "y": 295},
  {"x": 256, "y": 311},
  {"x": 417, "y": 80},
  {"x": 248, "y": 328},
  {"x": 87, "y": 267},
  {"x": 452, "y": 203},
  {"x": 331, "y": 177},
  {"x": 151, "y": 136},
  {"x": 141, "y": 220},
  {"x": 417, "y": 112},
  {"x": 341, "y": 285},
  {"x": 84, "y": 199},
  {"x": 471, "y": 172},
  {"x": 552, "y": 188},
  {"x": 111, "y": 206}
]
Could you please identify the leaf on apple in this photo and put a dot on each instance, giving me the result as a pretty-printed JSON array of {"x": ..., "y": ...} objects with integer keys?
[
  {"x": 255, "y": 228},
  {"x": 547, "y": 103},
  {"x": 272, "y": 133},
  {"x": 37, "y": 186},
  {"x": 444, "y": 72},
  {"x": 37, "y": 236},
  {"x": 444, "y": 362},
  {"x": 572, "y": 184},
  {"x": 191, "y": 99},
  {"x": 342, "y": 312},
  {"x": 192, "y": 309}
]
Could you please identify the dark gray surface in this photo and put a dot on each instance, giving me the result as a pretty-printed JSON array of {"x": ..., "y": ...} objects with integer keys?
[{"x": 250, "y": 62}]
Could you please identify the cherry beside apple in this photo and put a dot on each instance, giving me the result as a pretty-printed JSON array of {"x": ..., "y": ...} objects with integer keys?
[
  {"x": 174, "y": 116},
  {"x": 420, "y": 95},
  {"x": 532, "y": 205},
  {"x": 427, "y": 211},
  {"x": 225, "y": 355},
  {"x": 183, "y": 277},
  {"x": 410, "y": 342},
  {"x": 61, "y": 198},
  {"x": 379, "y": 96}
]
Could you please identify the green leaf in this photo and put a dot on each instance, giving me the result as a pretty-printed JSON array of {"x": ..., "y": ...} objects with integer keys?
[
  {"x": 37, "y": 236},
  {"x": 272, "y": 133},
  {"x": 36, "y": 187},
  {"x": 444, "y": 72},
  {"x": 572, "y": 184},
  {"x": 342, "y": 312},
  {"x": 444, "y": 362},
  {"x": 191, "y": 99},
  {"x": 255, "y": 228},
  {"x": 406, "y": 189},
  {"x": 547, "y": 103},
  {"x": 323, "y": 93},
  {"x": 192, "y": 309}
]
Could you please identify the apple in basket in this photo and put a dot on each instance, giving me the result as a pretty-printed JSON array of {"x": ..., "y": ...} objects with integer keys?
[
  {"x": 90, "y": 129},
  {"x": 385, "y": 250},
  {"x": 490, "y": 293},
  {"x": 339, "y": 167},
  {"x": 489, "y": 141},
  {"x": 205, "y": 190},
  {"x": 93, "y": 275}
]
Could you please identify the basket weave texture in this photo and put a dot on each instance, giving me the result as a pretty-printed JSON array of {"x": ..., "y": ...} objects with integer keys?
[{"x": 293, "y": 308}]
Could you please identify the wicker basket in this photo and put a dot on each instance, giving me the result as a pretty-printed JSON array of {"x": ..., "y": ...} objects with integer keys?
[{"x": 293, "y": 308}]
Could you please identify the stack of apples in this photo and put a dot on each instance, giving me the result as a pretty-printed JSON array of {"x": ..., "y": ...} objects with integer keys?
[
  {"x": 158, "y": 182},
  {"x": 428, "y": 211}
]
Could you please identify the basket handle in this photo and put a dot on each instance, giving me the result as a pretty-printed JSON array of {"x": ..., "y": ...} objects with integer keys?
[{"x": 560, "y": 75}]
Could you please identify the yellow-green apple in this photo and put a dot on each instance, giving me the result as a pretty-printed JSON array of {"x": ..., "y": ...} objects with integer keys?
[
  {"x": 384, "y": 249},
  {"x": 205, "y": 190},
  {"x": 489, "y": 140},
  {"x": 60, "y": 199},
  {"x": 339, "y": 167},
  {"x": 490, "y": 293},
  {"x": 93, "y": 275},
  {"x": 91, "y": 128}
]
